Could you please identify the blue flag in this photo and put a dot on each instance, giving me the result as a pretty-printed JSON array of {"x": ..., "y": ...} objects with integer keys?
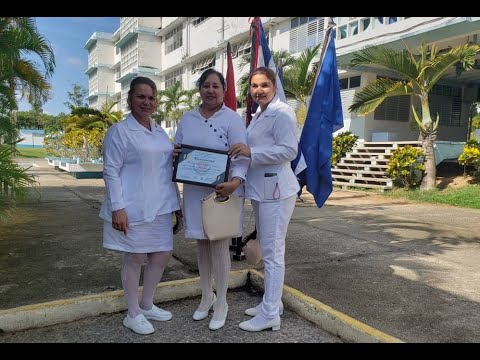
[{"x": 324, "y": 117}]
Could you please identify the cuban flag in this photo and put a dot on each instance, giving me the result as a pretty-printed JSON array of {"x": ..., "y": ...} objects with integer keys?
[
  {"x": 324, "y": 117},
  {"x": 261, "y": 57}
]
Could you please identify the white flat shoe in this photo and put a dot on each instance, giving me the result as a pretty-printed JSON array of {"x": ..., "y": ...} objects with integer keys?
[
  {"x": 218, "y": 324},
  {"x": 138, "y": 324},
  {"x": 256, "y": 310},
  {"x": 200, "y": 315},
  {"x": 155, "y": 313},
  {"x": 273, "y": 324}
]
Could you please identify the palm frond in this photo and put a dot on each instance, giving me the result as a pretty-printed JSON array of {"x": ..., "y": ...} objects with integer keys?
[
  {"x": 398, "y": 61},
  {"x": 372, "y": 95}
]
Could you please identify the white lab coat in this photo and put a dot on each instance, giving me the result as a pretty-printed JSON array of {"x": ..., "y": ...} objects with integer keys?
[
  {"x": 219, "y": 132},
  {"x": 273, "y": 143},
  {"x": 138, "y": 171}
]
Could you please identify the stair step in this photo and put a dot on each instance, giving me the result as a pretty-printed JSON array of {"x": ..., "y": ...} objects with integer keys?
[
  {"x": 390, "y": 143},
  {"x": 361, "y": 180},
  {"x": 356, "y": 171},
  {"x": 363, "y": 160},
  {"x": 365, "y": 167},
  {"x": 375, "y": 148},
  {"x": 345, "y": 185},
  {"x": 367, "y": 155}
]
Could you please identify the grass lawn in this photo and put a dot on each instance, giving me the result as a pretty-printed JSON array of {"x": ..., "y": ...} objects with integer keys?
[
  {"x": 465, "y": 196},
  {"x": 31, "y": 153}
]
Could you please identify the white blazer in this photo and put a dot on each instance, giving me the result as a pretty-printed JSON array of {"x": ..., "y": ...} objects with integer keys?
[
  {"x": 273, "y": 143},
  {"x": 137, "y": 170}
]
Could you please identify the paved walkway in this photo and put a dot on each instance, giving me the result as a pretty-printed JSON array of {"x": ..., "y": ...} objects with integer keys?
[{"x": 409, "y": 270}]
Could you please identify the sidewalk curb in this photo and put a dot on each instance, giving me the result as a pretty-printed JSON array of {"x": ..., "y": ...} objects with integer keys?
[
  {"x": 67, "y": 310},
  {"x": 328, "y": 319}
]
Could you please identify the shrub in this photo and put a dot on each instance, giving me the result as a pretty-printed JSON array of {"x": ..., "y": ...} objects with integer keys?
[
  {"x": 471, "y": 154},
  {"x": 342, "y": 143},
  {"x": 406, "y": 166}
]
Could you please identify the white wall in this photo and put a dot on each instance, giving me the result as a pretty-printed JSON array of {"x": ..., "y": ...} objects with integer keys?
[
  {"x": 150, "y": 22},
  {"x": 149, "y": 50},
  {"x": 198, "y": 41}
]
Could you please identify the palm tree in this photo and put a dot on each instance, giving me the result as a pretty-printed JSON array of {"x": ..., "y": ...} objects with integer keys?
[
  {"x": 14, "y": 181},
  {"x": 171, "y": 101},
  {"x": 418, "y": 74},
  {"x": 19, "y": 36},
  {"x": 192, "y": 98},
  {"x": 299, "y": 80},
  {"x": 88, "y": 118},
  {"x": 19, "y": 76}
]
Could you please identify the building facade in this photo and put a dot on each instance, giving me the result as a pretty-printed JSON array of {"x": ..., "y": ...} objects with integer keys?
[{"x": 170, "y": 49}]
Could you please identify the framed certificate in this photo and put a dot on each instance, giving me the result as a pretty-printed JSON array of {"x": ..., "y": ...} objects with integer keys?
[{"x": 201, "y": 166}]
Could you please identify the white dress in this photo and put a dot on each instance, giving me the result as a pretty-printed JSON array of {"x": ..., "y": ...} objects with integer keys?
[
  {"x": 219, "y": 132},
  {"x": 138, "y": 178}
]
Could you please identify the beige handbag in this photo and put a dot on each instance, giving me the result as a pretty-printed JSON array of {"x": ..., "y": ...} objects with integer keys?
[{"x": 221, "y": 218}]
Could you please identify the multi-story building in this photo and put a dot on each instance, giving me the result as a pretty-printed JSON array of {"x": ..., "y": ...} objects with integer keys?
[{"x": 170, "y": 49}]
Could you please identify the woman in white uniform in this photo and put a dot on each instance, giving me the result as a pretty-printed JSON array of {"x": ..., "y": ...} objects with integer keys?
[
  {"x": 215, "y": 126},
  {"x": 271, "y": 186},
  {"x": 140, "y": 198}
]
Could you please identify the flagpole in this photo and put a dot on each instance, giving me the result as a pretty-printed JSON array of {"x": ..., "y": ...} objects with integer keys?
[{"x": 253, "y": 35}]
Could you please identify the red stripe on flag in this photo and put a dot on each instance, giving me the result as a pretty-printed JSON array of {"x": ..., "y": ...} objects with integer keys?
[{"x": 230, "y": 98}]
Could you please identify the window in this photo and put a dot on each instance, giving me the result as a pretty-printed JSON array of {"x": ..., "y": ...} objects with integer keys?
[
  {"x": 173, "y": 77},
  {"x": 129, "y": 55},
  {"x": 241, "y": 48},
  {"x": 198, "y": 20},
  {"x": 351, "y": 82},
  {"x": 446, "y": 101},
  {"x": 306, "y": 32},
  {"x": 174, "y": 39},
  {"x": 396, "y": 108},
  {"x": 351, "y": 26},
  {"x": 203, "y": 64},
  {"x": 127, "y": 24}
]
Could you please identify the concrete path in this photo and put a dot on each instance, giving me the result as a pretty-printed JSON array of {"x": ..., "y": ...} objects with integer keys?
[{"x": 409, "y": 270}]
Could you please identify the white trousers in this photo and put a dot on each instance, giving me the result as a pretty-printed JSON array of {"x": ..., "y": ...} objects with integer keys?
[{"x": 271, "y": 221}]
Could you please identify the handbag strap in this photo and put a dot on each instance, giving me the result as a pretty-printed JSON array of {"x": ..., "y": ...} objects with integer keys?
[{"x": 251, "y": 236}]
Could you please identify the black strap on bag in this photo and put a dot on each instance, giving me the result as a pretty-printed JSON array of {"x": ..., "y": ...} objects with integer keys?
[
  {"x": 238, "y": 243},
  {"x": 251, "y": 236}
]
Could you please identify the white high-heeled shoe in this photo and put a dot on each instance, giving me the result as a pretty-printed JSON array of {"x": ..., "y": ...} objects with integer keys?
[
  {"x": 200, "y": 315},
  {"x": 218, "y": 324},
  {"x": 273, "y": 324},
  {"x": 256, "y": 310}
]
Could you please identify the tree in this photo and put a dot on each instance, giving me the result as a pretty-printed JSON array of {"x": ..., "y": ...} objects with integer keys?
[
  {"x": 77, "y": 97},
  {"x": 88, "y": 118},
  {"x": 18, "y": 37},
  {"x": 418, "y": 74},
  {"x": 299, "y": 79},
  {"x": 14, "y": 181},
  {"x": 19, "y": 76},
  {"x": 171, "y": 100},
  {"x": 192, "y": 98},
  {"x": 38, "y": 120}
]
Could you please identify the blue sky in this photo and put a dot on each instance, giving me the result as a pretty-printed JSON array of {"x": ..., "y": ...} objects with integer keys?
[{"x": 67, "y": 36}]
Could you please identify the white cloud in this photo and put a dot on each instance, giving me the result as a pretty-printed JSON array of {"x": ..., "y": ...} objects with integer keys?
[{"x": 74, "y": 61}]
